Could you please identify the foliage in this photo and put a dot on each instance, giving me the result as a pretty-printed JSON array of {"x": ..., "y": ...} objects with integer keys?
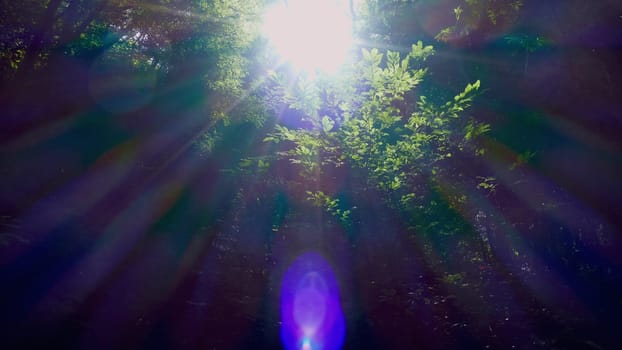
[
  {"x": 396, "y": 151},
  {"x": 398, "y": 21},
  {"x": 473, "y": 15},
  {"x": 333, "y": 206},
  {"x": 526, "y": 42},
  {"x": 497, "y": 245},
  {"x": 204, "y": 40}
]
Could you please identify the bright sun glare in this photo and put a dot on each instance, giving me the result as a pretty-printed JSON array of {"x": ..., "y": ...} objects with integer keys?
[{"x": 311, "y": 35}]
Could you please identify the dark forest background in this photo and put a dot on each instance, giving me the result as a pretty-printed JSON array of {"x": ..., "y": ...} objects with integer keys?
[{"x": 142, "y": 207}]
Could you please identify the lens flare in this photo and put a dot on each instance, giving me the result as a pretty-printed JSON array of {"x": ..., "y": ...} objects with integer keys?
[
  {"x": 311, "y": 35},
  {"x": 310, "y": 310}
]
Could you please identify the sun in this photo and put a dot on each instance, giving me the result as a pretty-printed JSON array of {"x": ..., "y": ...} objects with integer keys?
[{"x": 311, "y": 35}]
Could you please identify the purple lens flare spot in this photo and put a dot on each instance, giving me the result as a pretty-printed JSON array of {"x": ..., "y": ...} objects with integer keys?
[{"x": 310, "y": 309}]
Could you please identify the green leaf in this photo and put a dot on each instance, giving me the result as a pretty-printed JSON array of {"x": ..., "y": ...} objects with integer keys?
[
  {"x": 327, "y": 124},
  {"x": 393, "y": 59},
  {"x": 458, "y": 11},
  {"x": 421, "y": 53}
]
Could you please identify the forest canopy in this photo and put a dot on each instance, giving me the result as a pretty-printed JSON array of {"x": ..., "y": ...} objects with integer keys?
[{"x": 456, "y": 163}]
